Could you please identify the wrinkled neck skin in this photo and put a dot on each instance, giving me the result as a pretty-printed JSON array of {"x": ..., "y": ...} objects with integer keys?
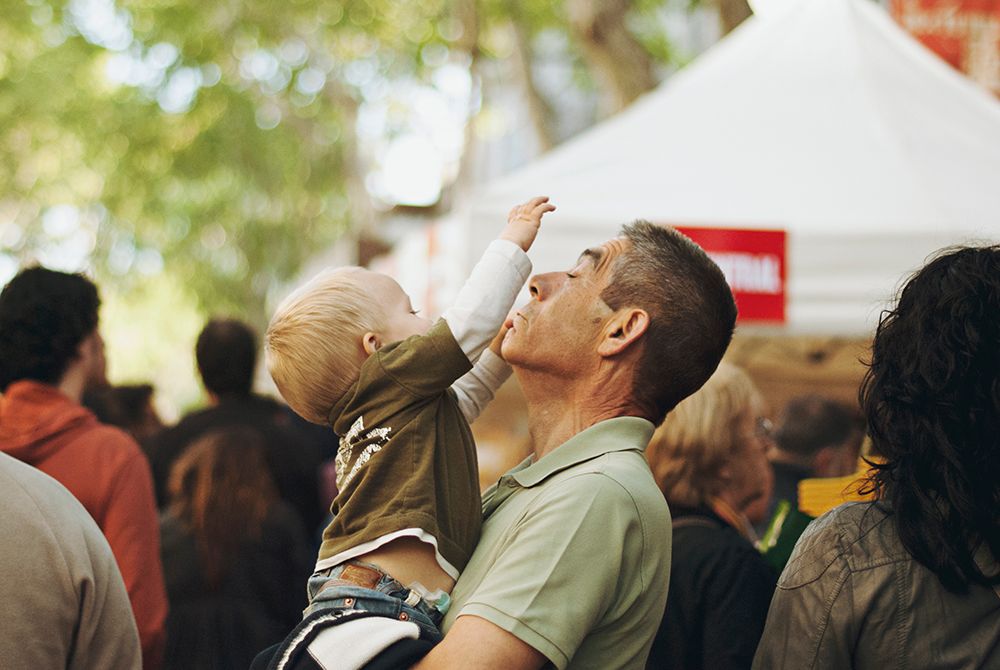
[{"x": 559, "y": 408}]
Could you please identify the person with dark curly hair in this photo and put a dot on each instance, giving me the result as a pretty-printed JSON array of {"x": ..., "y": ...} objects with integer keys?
[
  {"x": 50, "y": 351},
  {"x": 912, "y": 580}
]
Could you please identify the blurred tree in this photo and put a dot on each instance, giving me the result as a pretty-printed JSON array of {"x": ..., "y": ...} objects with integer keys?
[
  {"x": 614, "y": 52},
  {"x": 212, "y": 147},
  {"x": 215, "y": 142},
  {"x": 732, "y": 13}
]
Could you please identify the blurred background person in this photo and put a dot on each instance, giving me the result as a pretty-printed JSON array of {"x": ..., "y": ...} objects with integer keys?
[
  {"x": 236, "y": 557},
  {"x": 709, "y": 459},
  {"x": 815, "y": 437},
  {"x": 912, "y": 579},
  {"x": 129, "y": 406},
  {"x": 226, "y": 353},
  {"x": 50, "y": 351},
  {"x": 64, "y": 604}
]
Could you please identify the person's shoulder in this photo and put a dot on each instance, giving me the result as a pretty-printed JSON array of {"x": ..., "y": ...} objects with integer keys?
[
  {"x": 39, "y": 500},
  {"x": 113, "y": 442},
  {"x": 630, "y": 471},
  {"x": 617, "y": 487},
  {"x": 621, "y": 473},
  {"x": 847, "y": 537},
  {"x": 27, "y": 482}
]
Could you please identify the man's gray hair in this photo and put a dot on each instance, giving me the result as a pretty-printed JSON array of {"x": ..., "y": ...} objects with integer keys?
[{"x": 691, "y": 313}]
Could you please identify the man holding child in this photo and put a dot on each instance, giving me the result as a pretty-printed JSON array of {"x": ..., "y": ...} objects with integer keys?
[{"x": 572, "y": 563}]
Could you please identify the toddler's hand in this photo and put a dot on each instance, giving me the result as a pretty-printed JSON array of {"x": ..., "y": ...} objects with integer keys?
[{"x": 524, "y": 220}]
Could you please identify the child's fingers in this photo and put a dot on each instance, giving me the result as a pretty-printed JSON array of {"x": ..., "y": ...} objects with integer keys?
[{"x": 543, "y": 208}]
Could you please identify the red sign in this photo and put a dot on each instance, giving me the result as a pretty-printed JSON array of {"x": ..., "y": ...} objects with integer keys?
[
  {"x": 965, "y": 33},
  {"x": 754, "y": 264}
]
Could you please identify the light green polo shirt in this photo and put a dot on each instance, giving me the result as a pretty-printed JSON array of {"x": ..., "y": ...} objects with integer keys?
[{"x": 574, "y": 556}]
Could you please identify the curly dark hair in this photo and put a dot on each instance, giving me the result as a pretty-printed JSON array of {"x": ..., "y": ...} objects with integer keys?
[
  {"x": 44, "y": 316},
  {"x": 226, "y": 352},
  {"x": 931, "y": 398}
]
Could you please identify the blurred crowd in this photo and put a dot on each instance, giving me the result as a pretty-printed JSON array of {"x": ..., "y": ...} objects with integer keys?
[{"x": 213, "y": 522}]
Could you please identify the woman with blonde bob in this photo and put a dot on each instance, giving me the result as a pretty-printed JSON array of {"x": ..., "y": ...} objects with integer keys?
[{"x": 709, "y": 459}]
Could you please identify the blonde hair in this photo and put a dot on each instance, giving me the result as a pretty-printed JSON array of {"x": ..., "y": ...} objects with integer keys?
[
  {"x": 697, "y": 439},
  {"x": 313, "y": 343}
]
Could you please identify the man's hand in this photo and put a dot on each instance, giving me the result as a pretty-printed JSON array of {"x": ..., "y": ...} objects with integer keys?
[{"x": 524, "y": 220}]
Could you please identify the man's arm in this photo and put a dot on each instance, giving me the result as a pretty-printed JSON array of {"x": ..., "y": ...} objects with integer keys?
[{"x": 474, "y": 643}]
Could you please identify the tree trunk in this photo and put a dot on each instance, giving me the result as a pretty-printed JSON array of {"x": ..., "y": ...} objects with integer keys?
[
  {"x": 466, "y": 12},
  {"x": 541, "y": 112},
  {"x": 732, "y": 13},
  {"x": 614, "y": 55}
]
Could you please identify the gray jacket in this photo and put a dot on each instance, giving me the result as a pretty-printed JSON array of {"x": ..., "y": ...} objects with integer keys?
[
  {"x": 852, "y": 597},
  {"x": 64, "y": 603}
]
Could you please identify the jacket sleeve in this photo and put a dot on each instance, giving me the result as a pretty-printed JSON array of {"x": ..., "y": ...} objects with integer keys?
[
  {"x": 131, "y": 527},
  {"x": 811, "y": 621}
]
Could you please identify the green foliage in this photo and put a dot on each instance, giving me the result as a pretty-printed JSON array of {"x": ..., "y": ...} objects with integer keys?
[{"x": 209, "y": 146}]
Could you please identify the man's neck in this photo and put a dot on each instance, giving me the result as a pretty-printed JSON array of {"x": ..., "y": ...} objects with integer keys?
[
  {"x": 73, "y": 384},
  {"x": 559, "y": 409}
]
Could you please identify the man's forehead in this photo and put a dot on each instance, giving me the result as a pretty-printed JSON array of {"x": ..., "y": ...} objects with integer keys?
[{"x": 595, "y": 255}]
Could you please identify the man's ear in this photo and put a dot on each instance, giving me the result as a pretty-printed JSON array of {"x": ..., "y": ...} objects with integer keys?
[
  {"x": 623, "y": 330},
  {"x": 371, "y": 342}
]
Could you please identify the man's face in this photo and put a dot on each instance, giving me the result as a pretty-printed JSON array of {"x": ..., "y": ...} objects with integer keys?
[{"x": 561, "y": 325}]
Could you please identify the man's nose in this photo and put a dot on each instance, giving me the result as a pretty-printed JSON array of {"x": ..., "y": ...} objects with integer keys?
[{"x": 541, "y": 286}]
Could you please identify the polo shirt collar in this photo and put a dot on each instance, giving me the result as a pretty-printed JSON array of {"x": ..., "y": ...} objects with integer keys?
[{"x": 624, "y": 433}]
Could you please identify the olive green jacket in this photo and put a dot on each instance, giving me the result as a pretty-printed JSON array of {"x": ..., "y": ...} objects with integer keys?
[{"x": 852, "y": 597}]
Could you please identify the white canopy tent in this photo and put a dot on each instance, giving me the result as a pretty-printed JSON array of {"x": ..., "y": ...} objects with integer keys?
[{"x": 827, "y": 121}]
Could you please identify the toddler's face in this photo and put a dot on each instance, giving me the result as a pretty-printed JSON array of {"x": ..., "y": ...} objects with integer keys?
[{"x": 401, "y": 320}]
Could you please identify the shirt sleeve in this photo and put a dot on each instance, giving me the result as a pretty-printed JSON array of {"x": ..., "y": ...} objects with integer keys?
[
  {"x": 107, "y": 637},
  {"x": 418, "y": 367},
  {"x": 535, "y": 591},
  {"x": 486, "y": 297},
  {"x": 476, "y": 388},
  {"x": 132, "y": 529}
]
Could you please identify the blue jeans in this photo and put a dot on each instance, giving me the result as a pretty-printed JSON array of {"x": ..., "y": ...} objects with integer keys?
[{"x": 386, "y": 598}]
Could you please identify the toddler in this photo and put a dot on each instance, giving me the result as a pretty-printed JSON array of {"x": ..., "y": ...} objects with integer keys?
[{"x": 348, "y": 349}]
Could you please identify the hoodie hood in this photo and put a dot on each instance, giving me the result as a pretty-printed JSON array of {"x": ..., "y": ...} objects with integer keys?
[{"x": 37, "y": 420}]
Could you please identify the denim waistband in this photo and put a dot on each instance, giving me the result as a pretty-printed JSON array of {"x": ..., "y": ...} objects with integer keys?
[{"x": 355, "y": 574}]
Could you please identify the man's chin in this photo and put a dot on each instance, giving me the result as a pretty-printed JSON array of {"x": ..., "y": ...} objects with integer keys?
[{"x": 509, "y": 350}]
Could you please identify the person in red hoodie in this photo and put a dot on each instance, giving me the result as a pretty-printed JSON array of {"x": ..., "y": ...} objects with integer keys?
[{"x": 50, "y": 351}]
